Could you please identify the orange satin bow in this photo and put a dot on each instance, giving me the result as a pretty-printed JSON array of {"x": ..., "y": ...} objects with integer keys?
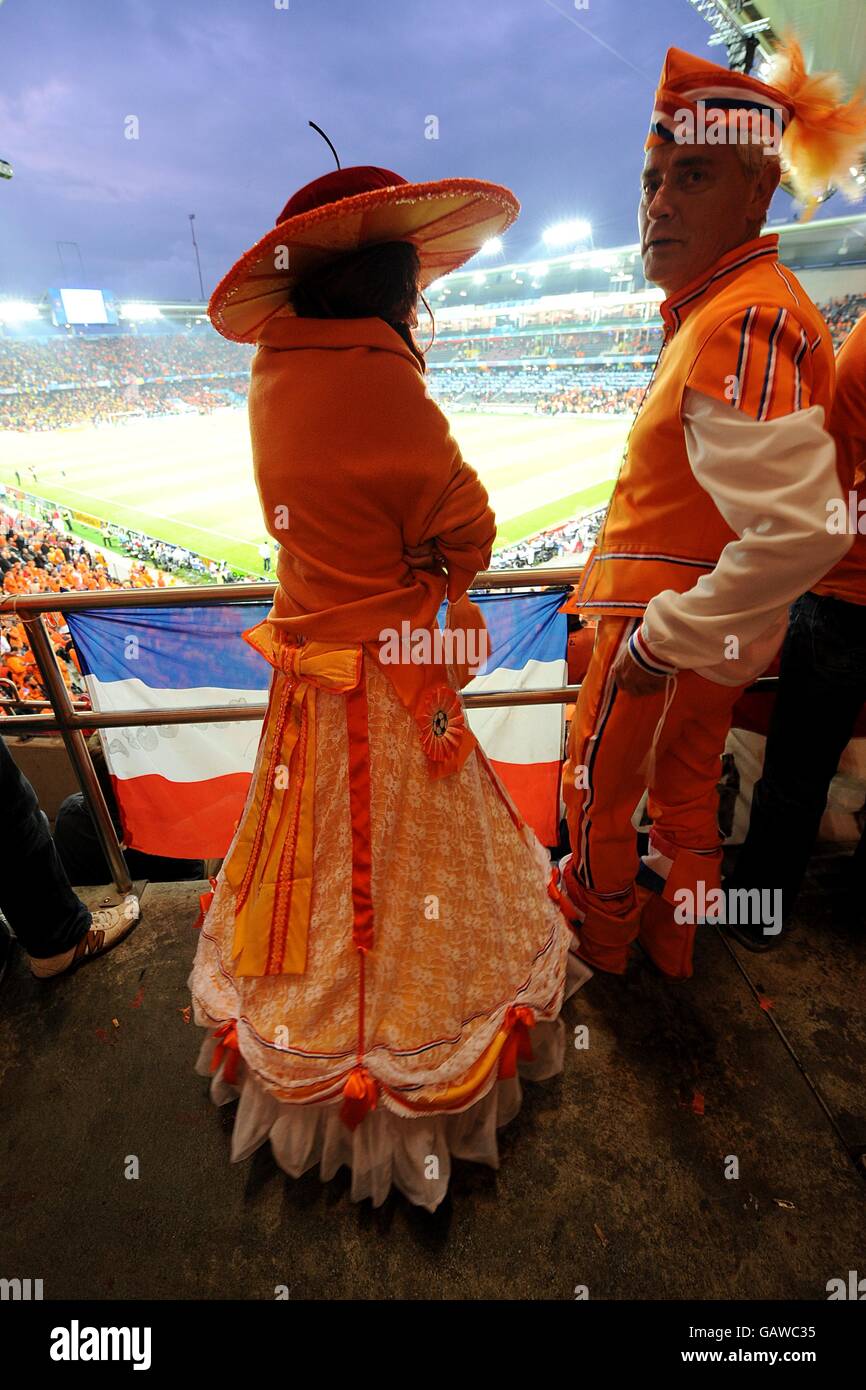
[
  {"x": 227, "y": 1047},
  {"x": 204, "y": 902},
  {"x": 518, "y": 1021}
]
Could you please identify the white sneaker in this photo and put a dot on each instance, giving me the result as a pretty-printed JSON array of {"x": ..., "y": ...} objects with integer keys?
[{"x": 109, "y": 926}]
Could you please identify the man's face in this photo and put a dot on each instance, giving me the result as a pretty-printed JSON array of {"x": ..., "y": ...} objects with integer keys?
[{"x": 697, "y": 202}]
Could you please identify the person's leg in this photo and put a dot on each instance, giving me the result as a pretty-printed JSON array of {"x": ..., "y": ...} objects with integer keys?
[
  {"x": 684, "y": 855},
  {"x": 602, "y": 782},
  {"x": 822, "y": 688},
  {"x": 35, "y": 896}
]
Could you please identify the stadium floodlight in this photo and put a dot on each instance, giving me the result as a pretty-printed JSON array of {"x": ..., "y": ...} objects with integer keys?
[
  {"x": 140, "y": 312},
  {"x": 17, "y": 311},
  {"x": 491, "y": 247},
  {"x": 567, "y": 233}
]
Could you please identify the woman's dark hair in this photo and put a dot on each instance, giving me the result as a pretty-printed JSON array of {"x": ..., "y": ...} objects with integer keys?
[{"x": 375, "y": 282}]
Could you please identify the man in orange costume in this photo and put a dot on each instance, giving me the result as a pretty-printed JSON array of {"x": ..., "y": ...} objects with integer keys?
[{"x": 718, "y": 518}]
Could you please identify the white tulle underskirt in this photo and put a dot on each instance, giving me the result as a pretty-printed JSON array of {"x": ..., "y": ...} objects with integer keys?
[{"x": 385, "y": 1150}]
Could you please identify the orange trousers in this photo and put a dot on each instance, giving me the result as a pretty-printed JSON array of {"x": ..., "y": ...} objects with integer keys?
[{"x": 619, "y": 745}]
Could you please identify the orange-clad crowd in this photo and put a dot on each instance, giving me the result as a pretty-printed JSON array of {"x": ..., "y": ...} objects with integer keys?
[{"x": 38, "y": 557}]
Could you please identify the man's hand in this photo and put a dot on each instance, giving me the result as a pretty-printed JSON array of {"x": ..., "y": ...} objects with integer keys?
[
  {"x": 633, "y": 679},
  {"x": 424, "y": 557}
]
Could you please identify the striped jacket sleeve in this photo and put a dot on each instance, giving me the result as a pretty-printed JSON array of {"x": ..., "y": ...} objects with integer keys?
[
  {"x": 771, "y": 480},
  {"x": 759, "y": 361}
]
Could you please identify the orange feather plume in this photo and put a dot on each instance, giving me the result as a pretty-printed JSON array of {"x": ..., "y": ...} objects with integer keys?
[{"x": 827, "y": 135}]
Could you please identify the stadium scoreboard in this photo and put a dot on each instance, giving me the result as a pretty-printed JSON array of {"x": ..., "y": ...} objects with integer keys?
[{"x": 79, "y": 308}]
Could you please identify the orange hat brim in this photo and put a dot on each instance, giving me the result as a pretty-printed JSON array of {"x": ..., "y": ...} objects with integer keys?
[{"x": 447, "y": 221}]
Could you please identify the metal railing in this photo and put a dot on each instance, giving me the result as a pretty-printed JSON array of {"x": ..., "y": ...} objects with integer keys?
[{"x": 71, "y": 721}]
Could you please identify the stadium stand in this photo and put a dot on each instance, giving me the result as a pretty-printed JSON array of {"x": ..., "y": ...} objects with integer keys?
[
  {"x": 571, "y": 358},
  {"x": 40, "y": 554},
  {"x": 58, "y": 382},
  {"x": 38, "y": 557},
  {"x": 574, "y": 540}
]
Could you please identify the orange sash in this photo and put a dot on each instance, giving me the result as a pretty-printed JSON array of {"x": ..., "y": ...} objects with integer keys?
[{"x": 271, "y": 863}]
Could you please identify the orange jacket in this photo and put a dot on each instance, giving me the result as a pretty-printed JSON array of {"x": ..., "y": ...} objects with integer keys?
[
  {"x": 744, "y": 332},
  {"x": 847, "y": 580},
  {"x": 354, "y": 462}
]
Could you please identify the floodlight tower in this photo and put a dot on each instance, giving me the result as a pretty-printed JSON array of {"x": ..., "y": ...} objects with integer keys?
[
  {"x": 195, "y": 245},
  {"x": 738, "y": 25}
]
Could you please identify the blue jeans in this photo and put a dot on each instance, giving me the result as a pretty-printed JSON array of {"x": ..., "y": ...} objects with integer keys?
[
  {"x": 822, "y": 689},
  {"x": 35, "y": 896}
]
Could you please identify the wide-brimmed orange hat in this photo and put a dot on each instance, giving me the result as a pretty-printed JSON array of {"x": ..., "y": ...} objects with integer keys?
[{"x": 447, "y": 221}]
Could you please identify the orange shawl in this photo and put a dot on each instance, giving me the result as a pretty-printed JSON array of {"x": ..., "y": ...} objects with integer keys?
[{"x": 354, "y": 462}]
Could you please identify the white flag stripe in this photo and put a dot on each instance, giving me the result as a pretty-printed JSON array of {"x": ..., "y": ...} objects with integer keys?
[
  {"x": 177, "y": 752},
  {"x": 134, "y": 694},
  {"x": 197, "y": 752},
  {"x": 535, "y": 675},
  {"x": 520, "y": 734}
]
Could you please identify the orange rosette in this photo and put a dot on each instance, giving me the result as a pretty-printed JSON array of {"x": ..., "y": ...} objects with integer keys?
[{"x": 442, "y": 725}]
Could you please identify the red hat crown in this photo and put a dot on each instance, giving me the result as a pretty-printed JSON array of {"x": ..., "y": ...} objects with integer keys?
[{"x": 340, "y": 183}]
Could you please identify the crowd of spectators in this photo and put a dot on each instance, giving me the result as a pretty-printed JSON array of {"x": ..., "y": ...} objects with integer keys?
[
  {"x": 96, "y": 405},
  {"x": 842, "y": 314},
  {"x": 169, "y": 558},
  {"x": 592, "y": 399},
  {"x": 494, "y": 322},
  {"x": 59, "y": 382},
  {"x": 575, "y": 538},
  {"x": 38, "y": 556},
  {"x": 644, "y": 342},
  {"x": 546, "y": 390},
  {"x": 68, "y": 382},
  {"x": 32, "y": 365}
]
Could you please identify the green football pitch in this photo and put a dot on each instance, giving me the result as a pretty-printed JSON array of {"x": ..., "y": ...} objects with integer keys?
[{"x": 188, "y": 479}]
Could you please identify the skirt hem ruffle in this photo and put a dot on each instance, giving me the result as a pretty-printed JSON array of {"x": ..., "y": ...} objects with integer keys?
[{"x": 386, "y": 1149}]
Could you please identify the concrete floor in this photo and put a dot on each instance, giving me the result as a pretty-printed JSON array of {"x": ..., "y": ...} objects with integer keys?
[{"x": 612, "y": 1177}]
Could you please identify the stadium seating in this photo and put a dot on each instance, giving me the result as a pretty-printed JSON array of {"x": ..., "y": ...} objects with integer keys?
[{"x": 578, "y": 358}]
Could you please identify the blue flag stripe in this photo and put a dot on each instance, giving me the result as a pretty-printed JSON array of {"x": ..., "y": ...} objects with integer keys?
[
  {"x": 190, "y": 648},
  {"x": 172, "y": 648}
]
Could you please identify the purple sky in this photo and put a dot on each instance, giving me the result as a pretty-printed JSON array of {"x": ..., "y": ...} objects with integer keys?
[{"x": 550, "y": 99}]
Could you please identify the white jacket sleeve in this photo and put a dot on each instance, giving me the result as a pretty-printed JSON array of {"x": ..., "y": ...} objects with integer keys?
[{"x": 771, "y": 480}]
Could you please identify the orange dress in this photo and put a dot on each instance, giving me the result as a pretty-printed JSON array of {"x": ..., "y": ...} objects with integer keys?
[{"x": 383, "y": 956}]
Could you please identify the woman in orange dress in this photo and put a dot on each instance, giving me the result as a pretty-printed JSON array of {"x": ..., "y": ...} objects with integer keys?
[{"x": 384, "y": 955}]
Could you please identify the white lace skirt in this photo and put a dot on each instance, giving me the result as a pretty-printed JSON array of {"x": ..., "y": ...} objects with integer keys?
[{"x": 465, "y": 934}]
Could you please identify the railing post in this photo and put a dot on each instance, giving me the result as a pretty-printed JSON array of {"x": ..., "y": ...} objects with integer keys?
[{"x": 76, "y": 747}]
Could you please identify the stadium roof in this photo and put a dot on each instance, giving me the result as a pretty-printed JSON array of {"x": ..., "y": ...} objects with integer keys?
[
  {"x": 832, "y": 241},
  {"x": 833, "y": 36}
]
